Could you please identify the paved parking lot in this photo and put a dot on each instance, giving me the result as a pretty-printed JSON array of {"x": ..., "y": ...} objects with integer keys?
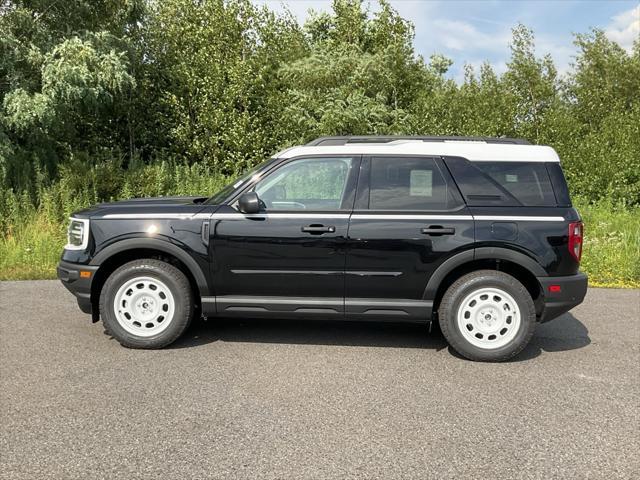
[{"x": 276, "y": 399}]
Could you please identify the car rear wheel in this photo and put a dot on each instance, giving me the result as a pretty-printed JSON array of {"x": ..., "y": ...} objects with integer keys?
[
  {"x": 146, "y": 303},
  {"x": 487, "y": 316}
]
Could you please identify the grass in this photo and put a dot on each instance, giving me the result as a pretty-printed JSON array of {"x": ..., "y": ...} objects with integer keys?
[
  {"x": 32, "y": 251},
  {"x": 611, "y": 254}
]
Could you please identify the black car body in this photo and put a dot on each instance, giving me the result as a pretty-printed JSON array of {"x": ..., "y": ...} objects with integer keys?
[{"x": 351, "y": 227}]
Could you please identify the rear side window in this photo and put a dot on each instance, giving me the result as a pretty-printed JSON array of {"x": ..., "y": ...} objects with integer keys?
[
  {"x": 503, "y": 183},
  {"x": 409, "y": 183},
  {"x": 526, "y": 181}
]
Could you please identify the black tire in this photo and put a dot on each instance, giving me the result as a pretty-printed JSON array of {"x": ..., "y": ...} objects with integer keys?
[
  {"x": 177, "y": 283},
  {"x": 467, "y": 284}
]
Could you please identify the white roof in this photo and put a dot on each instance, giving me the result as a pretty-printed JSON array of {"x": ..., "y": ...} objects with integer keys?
[{"x": 471, "y": 150}]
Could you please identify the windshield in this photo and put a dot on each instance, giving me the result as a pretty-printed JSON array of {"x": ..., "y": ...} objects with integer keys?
[{"x": 229, "y": 189}]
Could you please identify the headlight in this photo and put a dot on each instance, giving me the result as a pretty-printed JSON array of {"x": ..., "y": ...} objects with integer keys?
[{"x": 77, "y": 234}]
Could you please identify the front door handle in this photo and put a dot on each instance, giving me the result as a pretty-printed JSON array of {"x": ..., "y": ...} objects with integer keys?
[
  {"x": 318, "y": 229},
  {"x": 436, "y": 230}
]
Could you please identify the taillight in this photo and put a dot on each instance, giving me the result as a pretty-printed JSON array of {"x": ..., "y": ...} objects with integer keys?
[{"x": 576, "y": 230}]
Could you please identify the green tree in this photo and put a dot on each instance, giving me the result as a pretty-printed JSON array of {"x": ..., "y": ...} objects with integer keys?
[
  {"x": 359, "y": 74},
  {"x": 602, "y": 144},
  {"x": 65, "y": 78},
  {"x": 532, "y": 84},
  {"x": 213, "y": 67},
  {"x": 96, "y": 87}
]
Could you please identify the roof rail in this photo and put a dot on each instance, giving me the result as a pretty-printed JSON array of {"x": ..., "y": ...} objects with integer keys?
[{"x": 326, "y": 141}]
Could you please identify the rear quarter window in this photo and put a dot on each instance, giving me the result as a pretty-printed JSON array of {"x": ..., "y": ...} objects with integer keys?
[
  {"x": 526, "y": 181},
  {"x": 559, "y": 184},
  {"x": 503, "y": 183}
]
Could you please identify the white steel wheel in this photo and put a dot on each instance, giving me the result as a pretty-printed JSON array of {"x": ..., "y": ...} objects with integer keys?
[
  {"x": 144, "y": 306},
  {"x": 488, "y": 318}
]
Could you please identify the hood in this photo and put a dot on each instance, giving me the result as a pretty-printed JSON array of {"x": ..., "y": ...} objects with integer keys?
[
  {"x": 168, "y": 205},
  {"x": 155, "y": 201}
]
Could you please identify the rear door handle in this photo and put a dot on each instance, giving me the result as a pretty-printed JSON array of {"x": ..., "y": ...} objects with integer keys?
[
  {"x": 318, "y": 229},
  {"x": 436, "y": 230}
]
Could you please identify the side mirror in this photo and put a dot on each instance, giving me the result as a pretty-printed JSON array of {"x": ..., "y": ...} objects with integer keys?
[{"x": 249, "y": 203}]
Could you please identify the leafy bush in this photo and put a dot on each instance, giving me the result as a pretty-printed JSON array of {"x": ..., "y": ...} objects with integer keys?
[{"x": 109, "y": 100}]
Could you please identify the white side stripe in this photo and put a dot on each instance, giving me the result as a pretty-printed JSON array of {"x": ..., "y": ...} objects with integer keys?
[
  {"x": 357, "y": 216},
  {"x": 328, "y": 216},
  {"x": 500, "y": 218},
  {"x": 239, "y": 216},
  {"x": 159, "y": 216},
  {"x": 458, "y": 217}
]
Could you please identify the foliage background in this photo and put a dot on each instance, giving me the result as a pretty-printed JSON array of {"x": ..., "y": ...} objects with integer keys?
[{"x": 108, "y": 99}]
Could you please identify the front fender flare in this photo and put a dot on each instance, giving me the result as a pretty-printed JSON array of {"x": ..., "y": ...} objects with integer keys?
[{"x": 160, "y": 245}]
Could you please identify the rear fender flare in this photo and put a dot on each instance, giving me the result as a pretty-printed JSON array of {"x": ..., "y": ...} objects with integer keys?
[{"x": 482, "y": 253}]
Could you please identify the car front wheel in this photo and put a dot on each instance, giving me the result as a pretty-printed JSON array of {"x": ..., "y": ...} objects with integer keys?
[
  {"x": 487, "y": 315},
  {"x": 146, "y": 303}
]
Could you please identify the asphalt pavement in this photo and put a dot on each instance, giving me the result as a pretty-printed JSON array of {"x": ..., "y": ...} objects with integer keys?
[{"x": 314, "y": 400}]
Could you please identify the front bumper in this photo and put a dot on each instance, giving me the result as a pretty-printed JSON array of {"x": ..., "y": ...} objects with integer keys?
[
  {"x": 80, "y": 285},
  {"x": 572, "y": 289}
]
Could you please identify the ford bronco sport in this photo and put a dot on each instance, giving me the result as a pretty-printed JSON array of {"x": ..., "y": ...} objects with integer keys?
[{"x": 477, "y": 234}]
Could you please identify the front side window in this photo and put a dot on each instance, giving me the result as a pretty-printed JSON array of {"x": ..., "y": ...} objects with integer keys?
[
  {"x": 408, "y": 183},
  {"x": 219, "y": 196},
  {"x": 306, "y": 184}
]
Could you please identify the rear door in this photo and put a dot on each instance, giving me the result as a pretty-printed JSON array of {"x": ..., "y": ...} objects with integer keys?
[{"x": 408, "y": 218}]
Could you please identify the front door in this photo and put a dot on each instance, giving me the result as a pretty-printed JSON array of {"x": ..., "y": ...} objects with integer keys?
[
  {"x": 408, "y": 218},
  {"x": 289, "y": 258}
]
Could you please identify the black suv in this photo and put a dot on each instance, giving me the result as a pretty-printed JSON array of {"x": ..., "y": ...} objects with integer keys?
[{"x": 476, "y": 233}]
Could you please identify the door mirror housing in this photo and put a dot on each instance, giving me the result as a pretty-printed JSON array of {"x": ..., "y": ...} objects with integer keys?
[{"x": 249, "y": 203}]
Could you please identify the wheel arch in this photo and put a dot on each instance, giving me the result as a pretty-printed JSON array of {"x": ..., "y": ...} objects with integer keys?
[
  {"x": 117, "y": 254},
  {"x": 520, "y": 266}
]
